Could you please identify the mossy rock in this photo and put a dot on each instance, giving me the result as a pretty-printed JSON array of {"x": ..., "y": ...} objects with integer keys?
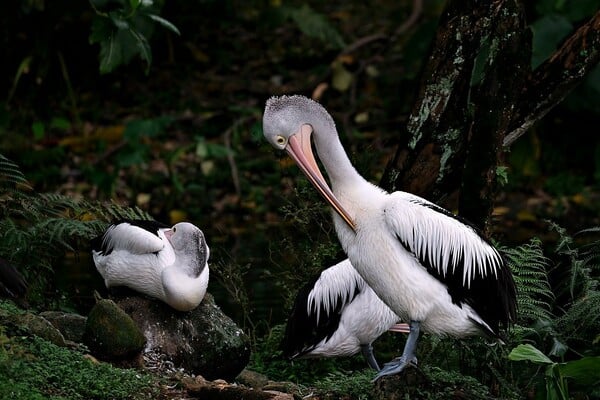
[
  {"x": 72, "y": 326},
  {"x": 111, "y": 334},
  {"x": 31, "y": 324},
  {"x": 203, "y": 341}
]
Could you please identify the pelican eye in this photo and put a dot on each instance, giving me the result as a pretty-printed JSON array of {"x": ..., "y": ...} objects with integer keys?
[
  {"x": 174, "y": 229},
  {"x": 280, "y": 140}
]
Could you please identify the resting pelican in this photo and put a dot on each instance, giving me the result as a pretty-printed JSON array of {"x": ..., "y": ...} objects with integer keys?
[
  {"x": 335, "y": 315},
  {"x": 430, "y": 267},
  {"x": 166, "y": 263}
]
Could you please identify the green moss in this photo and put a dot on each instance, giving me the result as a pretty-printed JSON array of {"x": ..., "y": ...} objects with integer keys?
[
  {"x": 352, "y": 385},
  {"x": 111, "y": 333},
  {"x": 32, "y": 368}
]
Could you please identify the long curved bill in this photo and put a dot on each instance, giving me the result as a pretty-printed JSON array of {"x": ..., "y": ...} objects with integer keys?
[{"x": 299, "y": 148}]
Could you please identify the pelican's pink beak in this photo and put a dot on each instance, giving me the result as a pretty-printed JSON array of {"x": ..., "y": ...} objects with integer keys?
[
  {"x": 300, "y": 149},
  {"x": 168, "y": 234}
]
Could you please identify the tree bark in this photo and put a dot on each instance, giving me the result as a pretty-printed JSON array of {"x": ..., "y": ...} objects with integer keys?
[
  {"x": 554, "y": 79},
  {"x": 506, "y": 55},
  {"x": 433, "y": 143},
  {"x": 477, "y": 95}
]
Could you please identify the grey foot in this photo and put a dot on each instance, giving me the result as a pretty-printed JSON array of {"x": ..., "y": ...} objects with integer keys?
[{"x": 395, "y": 366}]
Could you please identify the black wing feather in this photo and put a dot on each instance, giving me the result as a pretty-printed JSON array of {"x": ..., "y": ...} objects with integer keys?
[{"x": 303, "y": 332}]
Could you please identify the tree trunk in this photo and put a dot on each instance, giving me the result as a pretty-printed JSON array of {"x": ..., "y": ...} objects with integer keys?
[
  {"x": 477, "y": 95},
  {"x": 505, "y": 54}
]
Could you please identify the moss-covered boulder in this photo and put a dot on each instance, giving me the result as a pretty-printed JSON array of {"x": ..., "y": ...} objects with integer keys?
[
  {"x": 111, "y": 334},
  {"x": 27, "y": 324},
  {"x": 203, "y": 341},
  {"x": 71, "y": 325}
]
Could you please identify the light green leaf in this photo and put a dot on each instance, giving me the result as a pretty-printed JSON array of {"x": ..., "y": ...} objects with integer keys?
[
  {"x": 164, "y": 22},
  {"x": 118, "y": 20},
  {"x": 502, "y": 175},
  {"x": 526, "y": 352}
]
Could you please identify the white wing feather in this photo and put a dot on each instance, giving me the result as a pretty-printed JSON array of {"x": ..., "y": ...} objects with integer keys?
[
  {"x": 337, "y": 283},
  {"x": 134, "y": 239},
  {"x": 447, "y": 244}
]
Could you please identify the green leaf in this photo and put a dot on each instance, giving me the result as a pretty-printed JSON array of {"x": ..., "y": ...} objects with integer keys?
[
  {"x": 555, "y": 385},
  {"x": 502, "y": 175},
  {"x": 143, "y": 47},
  {"x": 38, "y": 129},
  {"x": 573, "y": 10},
  {"x": 548, "y": 31},
  {"x": 60, "y": 123},
  {"x": 164, "y": 23},
  {"x": 118, "y": 20},
  {"x": 110, "y": 54},
  {"x": 102, "y": 28},
  {"x": 314, "y": 25},
  {"x": 136, "y": 129},
  {"x": 526, "y": 352},
  {"x": 585, "y": 371},
  {"x": 134, "y": 4}
]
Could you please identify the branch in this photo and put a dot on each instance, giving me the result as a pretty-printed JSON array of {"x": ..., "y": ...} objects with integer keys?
[{"x": 553, "y": 80}]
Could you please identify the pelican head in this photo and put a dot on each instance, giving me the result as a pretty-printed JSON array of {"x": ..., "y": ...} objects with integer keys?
[
  {"x": 288, "y": 123},
  {"x": 185, "y": 282},
  {"x": 188, "y": 241}
]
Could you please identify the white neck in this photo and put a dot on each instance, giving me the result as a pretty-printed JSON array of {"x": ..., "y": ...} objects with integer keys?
[
  {"x": 339, "y": 169},
  {"x": 182, "y": 292}
]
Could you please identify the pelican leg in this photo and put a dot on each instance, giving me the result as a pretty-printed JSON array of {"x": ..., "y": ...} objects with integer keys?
[
  {"x": 408, "y": 356},
  {"x": 367, "y": 352}
]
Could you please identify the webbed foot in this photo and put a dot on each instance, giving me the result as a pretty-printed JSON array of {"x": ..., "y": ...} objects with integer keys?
[{"x": 395, "y": 366}]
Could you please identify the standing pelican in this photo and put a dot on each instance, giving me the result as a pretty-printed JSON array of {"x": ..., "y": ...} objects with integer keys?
[
  {"x": 167, "y": 263},
  {"x": 431, "y": 268},
  {"x": 337, "y": 314}
]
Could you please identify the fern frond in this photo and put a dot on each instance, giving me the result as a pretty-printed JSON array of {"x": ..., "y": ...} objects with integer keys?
[
  {"x": 582, "y": 259},
  {"x": 529, "y": 266},
  {"x": 582, "y": 318},
  {"x": 11, "y": 177},
  {"x": 36, "y": 231}
]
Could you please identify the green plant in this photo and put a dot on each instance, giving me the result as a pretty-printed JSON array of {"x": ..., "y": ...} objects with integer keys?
[
  {"x": 313, "y": 24},
  {"x": 37, "y": 230},
  {"x": 530, "y": 271},
  {"x": 122, "y": 28},
  {"x": 583, "y": 372},
  {"x": 347, "y": 384},
  {"x": 11, "y": 177},
  {"x": 570, "y": 330}
]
